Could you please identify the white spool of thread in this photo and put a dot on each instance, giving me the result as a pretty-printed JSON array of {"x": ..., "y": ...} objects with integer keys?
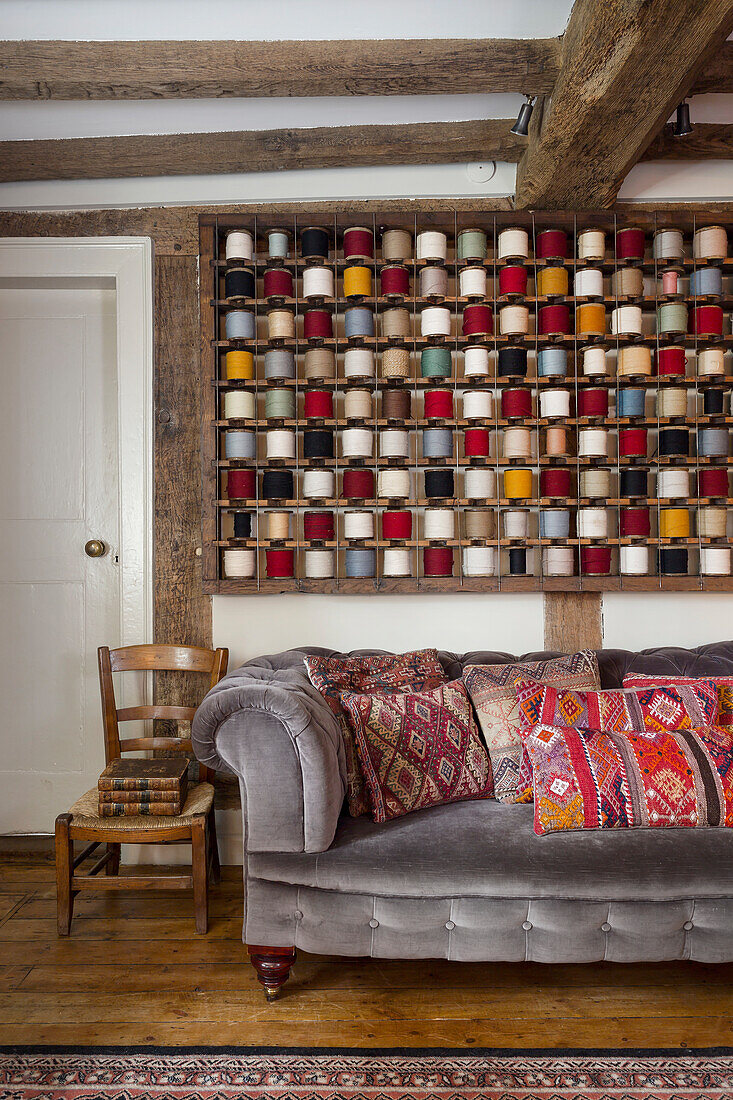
[
  {"x": 358, "y": 524},
  {"x": 357, "y": 404},
  {"x": 359, "y": 363},
  {"x": 668, "y": 245},
  {"x": 513, "y": 320},
  {"x": 319, "y": 484},
  {"x": 595, "y": 483},
  {"x": 435, "y": 321},
  {"x": 432, "y": 245},
  {"x": 394, "y": 484},
  {"x": 239, "y": 245},
  {"x": 397, "y": 562},
  {"x": 517, "y": 442},
  {"x": 318, "y": 282},
  {"x": 357, "y": 442},
  {"x": 554, "y": 404},
  {"x": 710, "y": 362},
  {"x": 433, "y": 281},
  {"x": 476, "y": 362},
  {"x": 513, "y": 244},
  {"x": 472, "y": 282},
  {"x": 710, "y": 243},
  {"x": 594, "y": 362},
  {"x": 479, "y": 561},
  {"x": 439, "y": 523},
  {"x": 239, "y": 405},
  {"x": 712, "y": 523},
  {"x": 319, "y": 563},
  {"x": 479, "y": 483},
  {"x": 634, "y": 560},
  {"x": 588, "y": 283},
  {"x": 591, "y": 245},
  {"x": 239, "y": 563},
  {"x": 626, "y": 321},
  {"x": 394, "y": 443},
  {"x": 592, "y": 523},
  {"x": 715, "y": 561},
  {"x": 516, "y": 524},
  {"x": 477, "y": 405},
  {"x": 673, "y": 483},
  {"x": 593, "y": 443},
  {"x": 558, "y": 561},
  {"x": 280, "y": 443}
]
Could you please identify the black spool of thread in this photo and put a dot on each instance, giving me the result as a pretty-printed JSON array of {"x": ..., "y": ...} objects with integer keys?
[
  {"x": 512, "y": 362},
  {"x": 318, "y": 443},
  {"x": 633, "y": 483},
  {"x": 242, "y": 525},
  {"x": 239, "y": 282},
  {"x": 314, "y": 242},
  {"x": 674, "y": 442},
  {"x": 439, "y": 483},
  {"x": 277, "y": 485},
  {"x": 673, "y": 561},
  {"x": 712, "y": 402},
  {"x": 517, "y": 561}
]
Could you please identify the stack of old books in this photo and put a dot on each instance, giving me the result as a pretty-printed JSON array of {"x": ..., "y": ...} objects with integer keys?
[{"x": 129, "y": 787}]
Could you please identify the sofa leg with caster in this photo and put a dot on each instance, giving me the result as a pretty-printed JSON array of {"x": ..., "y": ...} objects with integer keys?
[{"x": 273, "y": 967}]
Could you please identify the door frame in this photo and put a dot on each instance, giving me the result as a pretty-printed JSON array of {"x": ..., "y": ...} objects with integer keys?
[{"x": 125, "y": 263}]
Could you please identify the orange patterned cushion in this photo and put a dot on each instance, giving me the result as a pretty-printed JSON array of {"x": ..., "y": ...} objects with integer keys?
[{"x": 724, "y": 684}]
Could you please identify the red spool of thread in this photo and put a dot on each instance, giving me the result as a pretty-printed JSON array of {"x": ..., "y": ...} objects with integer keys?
[
  {"x": 706, "y": 321},
  {"x": 634, "y": 521},
  {"x": 630, "y": 244},
  {"x": 280, "y": 563},
  {"x": 317, "y": 324},
  {"x": 277, "y": 283},
  {"x": 713, "y": 482},
  {"x": 358, "y": 243},
  {"x": 555, "y": 482},
  {"x": 394, "y": 280},
  {"x": 318, "y": 404},
  {"x": 358, "y": 484},
  {"x": 593, "y": 402},
  {"x": 595, "y": 559},
  {"x": 396, "y": 525},
  {"x": 552, "y": 244},
  {"x": 241, "y": 485},
  {"x": 553, "y": 320},
  {"x": 438, "y": 403},
  {"x": 513, "y": 279},
  {"x": 476, "y": 442},
  {"x": 516, "y": 403},
  {"x": 478, "y": 320},
  {"x": 632, "y": 442},
  {"x": 438, "y": 561},
  {"x": 671, "y": 361},
  {"x": 318, "y": 526}
]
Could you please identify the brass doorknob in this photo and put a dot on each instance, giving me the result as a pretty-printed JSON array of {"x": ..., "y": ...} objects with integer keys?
[{"x": 95, "y": 548}]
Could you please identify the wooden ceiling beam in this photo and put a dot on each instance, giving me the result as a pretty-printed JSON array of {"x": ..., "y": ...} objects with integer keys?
[
  {"x": 708, "y": 141},
  {"x": 625, "y": 66},
  {"x": 202, "y": 70},
  {"x": 717, "y": 76}
]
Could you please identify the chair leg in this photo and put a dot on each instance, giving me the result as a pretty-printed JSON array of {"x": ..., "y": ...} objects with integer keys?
[
  {"x": 200, "y": 874},
  {"x": 113, "y": 867},
  {"x": 214, "y": 849},
  {"x": 273, "y": 967},
  {"x": 64, "y": 871}
]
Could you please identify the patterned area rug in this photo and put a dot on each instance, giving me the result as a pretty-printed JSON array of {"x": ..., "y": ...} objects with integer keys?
[{"x": 246, "y": 1074}]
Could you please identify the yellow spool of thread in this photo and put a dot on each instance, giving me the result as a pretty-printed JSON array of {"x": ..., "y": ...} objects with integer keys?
[
  {"x": 517, "y": 484},
  {"x": 634, "y": 361},
  {"x": 552, "y": 280},
  {"x": 590, "y": 319},
  {"x": 239, "y": 364},
  {"x": 357, "y": 282},
  {"x": 674, "y": 523}
]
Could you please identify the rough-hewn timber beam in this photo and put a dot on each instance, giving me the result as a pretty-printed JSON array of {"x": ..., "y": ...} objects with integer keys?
[
  {"x": 717, "y": 76},
  {"x": 708, "y": 141}
]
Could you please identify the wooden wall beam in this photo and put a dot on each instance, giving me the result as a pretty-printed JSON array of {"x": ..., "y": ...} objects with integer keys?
[
  {"x": 200, "y": 70},
  {"x": 625, "y": 66},
  {"x": 708, "y": 141}
]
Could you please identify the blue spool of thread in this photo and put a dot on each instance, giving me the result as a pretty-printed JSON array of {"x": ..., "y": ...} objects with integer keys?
[
  {"x": 240, "y": 444},
  {"x": 240, "y": 324},
  {"x": 277, "y": 244},
  {"x": 555, "y": 523},
  {"x": 552, "y": 361},
  {"x": 713, "y": 442},
  {"x": 706, "y": 280},
  {"x": 358, "y": 321},
  {"x": 631, "y": 402},
  {"x": 279, "y": 363},
  {"x": 361, "y": 562},
  {"x": 437, "y": 443}
]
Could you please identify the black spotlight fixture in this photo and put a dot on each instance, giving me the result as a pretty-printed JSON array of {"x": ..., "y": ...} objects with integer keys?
[
  {"x": 683, "y": 126},
  {"x": 521, "y": 126}
]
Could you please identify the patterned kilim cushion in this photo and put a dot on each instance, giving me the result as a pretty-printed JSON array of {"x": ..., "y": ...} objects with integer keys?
[
  {"x": 590, "y": 779},
  {"x": 724, "y": 685},
  {"x": 419, "y": 750},
  {"x": 414, "y": 671},
  {"x": 494, "y": 695}
]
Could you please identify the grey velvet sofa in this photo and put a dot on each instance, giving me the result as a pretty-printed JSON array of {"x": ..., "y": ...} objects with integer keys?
[{"x": 469, "y": 881}]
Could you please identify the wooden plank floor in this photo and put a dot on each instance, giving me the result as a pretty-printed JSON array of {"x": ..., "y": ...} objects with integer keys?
[{"x": 134, "y": 972}]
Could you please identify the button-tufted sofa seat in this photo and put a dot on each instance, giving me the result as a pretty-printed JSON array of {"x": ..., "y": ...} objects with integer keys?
[{"x": 469, "y": 881}]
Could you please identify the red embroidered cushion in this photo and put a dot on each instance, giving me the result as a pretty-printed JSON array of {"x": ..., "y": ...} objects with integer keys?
[
  {"x": 724, "y": 685},
  {"x": 415, "y": 671},
  {"x": 418, "y": 750},
  {"x": 591, "y": 779}
]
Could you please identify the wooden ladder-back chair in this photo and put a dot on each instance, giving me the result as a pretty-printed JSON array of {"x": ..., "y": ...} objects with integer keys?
[{"x": 195, "y": 825}]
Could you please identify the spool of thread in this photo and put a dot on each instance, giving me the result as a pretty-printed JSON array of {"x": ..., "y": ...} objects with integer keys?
[
  {"x": 477, "y": 405},
  {"x": 396, "y": 246},
  {"x": 713, "y": 482},
  {"x": 277, "y": 485},
  {"x": 318, "y": 526},
  {"x": 674, "y": 523},
  {"x": 478, "y": 320},
  {"x": 627, "y": 282},
  {"x": 706, "y": 321},
  {"x": 437, "y": 443},
  {"x": 713, "y": 442},
  {"x": 358, "y": 322},
  {"x": 516, "y": 403},
  {"x": 314, "y": 243},
  {"x": 394, "y": 281},
  {"x": 672, "y": 401},
  {"x": 552, "y": 362},
  {"x": 479, "y": 483},
  {"x": 319, "y": 564},
  {"x": 552, "y": 282},
  {"x": 318, "y": 443},
  {"x": 512, "y": 362},
  {"x": 633, "y": 483},
  {"x": 280, "y": 563},
  {"x": 471, "y": 244},
  {"x": 552, "y": 244},
  {"x": 517, "y": 484},
  {"x": 517, "y": 561},
  {"x": 517, "y": 442},
  {"x": 553, "y": 320},
  {"x": 319, "y": 363},
  {"x": 319, "y": 484},
  {"x": 278, "y": 525},
  {"x": 632, "y": 442},
  {"x": 513, "y": 244},
  {"x": 479, "y": 523},
  {"x": 240, "y": 444},
  {"x": 706, "y": 281},
  {"x": 670, "y": 281},
  {"x": 588, "y": 283},
  {"x": 634, "y": 523},
  {"x": 671, "y": 361},
  {"x": 439, "y": 483},
  {"x": 673, "y": 442},
  {"x": 239, "y": 563},
  {"x": 513, "y": 321},
  {"x": 241, "y": 484},
  {"x": 592, "y": 523},
  {"x": 673, "y": 483},
  {"x": 592, "y": 245},
  {"x": 438, "y": 523},
  {"x": 593, "y": 401},
  {"x": 434, "y": 281},
  {"x": 394, "y": 443},
  {"x": 668, "y": 245},
  {"x": 432, "y": 245},
  {"x": 435, "y": 321},
  {"x": 242, "y": 525},
  {"x": 631, "y": 402},
  {"x": 277, "y": 282},
  {"x": 396, "y": 323},
  {"x": 358, "y": 484},
  {"x": 710, "y": 243},
  {"x": 476, "y": 443},
  {"x": 357, "y": 282},
  {"x": 359, "y": 363},
  {"x": 715, "y": 561},
  {"x": 554, "y": 523},
  {"x": 318, "y": 404},
  {"x": 712, "y": 523},
  {"x": 278, "y": 244},
  {"x": 558, "y": 561},
  {"x": 626, "y": 321},
  {"x": 630, "y": 243},
  {"x": 436, "y": 362},
  {"x": 360, "y": 562},
  {"x": 595, "y": 483},
  {"x": 472, "y": 281},
  {"x": 672, "y": 318},
  {"x": 358, "y": 243},
  {"x": 555, "y": 482},
  {"x": 593, "y": 443},
  {"x": 554, "y": 404},
  {"x": 712, "y": 402},
  {"x": 438, "y": 404},
  {"x": 397, "y": 562},
  {"x": 357, "y": 443},
  {"x": 590, "y": 320},
  {"x": 239, "y": 324},
  {"x": 556, "y": 442},
  {"x": 634, "y": 560},
  {"x": 396, "y": 404},
  {"x": 318, "y": 282},
  {"x": 516, "y": 523},
  {"x": 595, "y": 560},
  {"x": 358, "y": 524},
  {"x": 479, "y": 561},
  {"x": 594, "y": 362},
  {"x": 513, "y": 280},
  {"x": 239, "y": 365},
  {"x": 397, "y": 525},
  {"x": 634, "y": 361},
  {"x": 710, "y": 362},
  {"x": 358, "y": 404},
  {"x": 317, "y": 324},
  {"x": 438, "y": 561},
  {"x": 281, "y": 324},
  {"x": 280, "y": 443},
  {"x": 239, "y": 282}
]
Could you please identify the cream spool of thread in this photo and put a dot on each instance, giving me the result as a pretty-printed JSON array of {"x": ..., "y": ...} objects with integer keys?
[
  {"x": 479, "y": 561},
  {"x": 358, "y": 404},
  {"x": 281, "y": 324},
  {"x": 672, "y": 318},
  {"x": 435, "y": 321},
  {"x": 590, "y": 320},
  {"x": 319, "y": 484},
  {"x": 278, "y": 525},
  {"x": 554, "y": 404},
  {"x": 319, "y": 564},
  {"x": 634, "y": 362},
  {"x": 477, "y": 405},
  {"x": 674, "y": 523},
  {"x": 239, "y": 563},
  {"x": 318, "y": 282},
  {"x": 280, "y": 443},
  {"x": 592, "y": 523},
  {"x": 239, "y": 245},
  {"x": 472, "y": 282},
  {"x": 396, "y": 245},
  {"x": 593, "y": 443},
  {"x": 432, "y": 245},
  {"x": 358, "y": 524},
  {"x": 396, "y": 323},
  {"x": 634, "y": 561},
  {"x": 712, "y": 523},
  {"x": 517, "y": 443},
  {"x": 393, "y": 484},
  {"x": 513, "y": 244},
  {"x": 715, "y": 561},
  {"x": 517, "y": 484},
  {"x": 433, "y": 281},
  {"x": 394, "y": 443},
  {"x": 556, "y": 442},
  {"x": 359, "y": 363},
  {"x": 554, "y": 281},
  {"x": 673, "y": 484},
  {"x": 357, "y": 282},
  {"x": 710, "y": 362},
  {"x": 357, "y": 443},
  {"x": 626, "y": 321},
  {"x": 595, "y": 484},
  {"x": 668, "y": 245},
  {"x": 479, "y": 524},
  {"x": 627, "y": 282},
  {"x": 513, "y": 320},
  {"x": 475, "y": 362},
  {"x": 594, "y": 362},
  {"x": 588, "y": 283},
  {"x": 558, "y": 561},
  {"x": 319, "y": 363},
  {"x": 710, "y": 243},
  {"x": 280, "y": 403},
  {"x": 397, "y": 562},
  {"x": 516, "y": 524},
  {"x": 671, "y": 401},
  {"x": 395, "y": 363},
  {"x": 239, "y": 405},
  {"x": 479, "y": 483},
  {"x": 439, "y": 523},
  {"x": 591, "y": 245}
]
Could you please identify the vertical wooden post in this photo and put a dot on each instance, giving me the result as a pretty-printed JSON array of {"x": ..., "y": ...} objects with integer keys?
[{"x": 573, "y": 620}]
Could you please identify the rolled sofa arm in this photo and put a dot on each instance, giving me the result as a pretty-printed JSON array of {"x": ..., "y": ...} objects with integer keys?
[{"x": 275, "y": 731}]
